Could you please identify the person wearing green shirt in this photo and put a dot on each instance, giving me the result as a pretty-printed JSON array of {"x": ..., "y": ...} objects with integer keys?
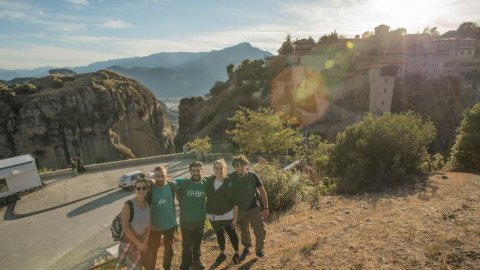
[
  {"x": 245, "y": 186},
  {"x": 191, "y": 196},
  {"x": 164, "y": 221}
]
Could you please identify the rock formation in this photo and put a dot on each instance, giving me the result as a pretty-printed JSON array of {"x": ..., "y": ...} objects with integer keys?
[{"x": 97, "y": 117}]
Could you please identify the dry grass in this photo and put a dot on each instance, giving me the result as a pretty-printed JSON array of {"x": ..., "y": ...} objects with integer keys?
[{"x": 433, "y": 227}]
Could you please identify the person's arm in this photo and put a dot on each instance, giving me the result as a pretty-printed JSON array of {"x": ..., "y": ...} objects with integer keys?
[
  {"x": 126, "y": 228},
  {"x": 263, "y": 196},
  {"x": 149, "y": 228},
  {"x": 235, "y": 216}
]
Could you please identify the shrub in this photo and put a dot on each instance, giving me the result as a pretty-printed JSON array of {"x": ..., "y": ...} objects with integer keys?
[
  {"x": 465, "y": 152},
  {"x": 376, "y": 152},
  {"x": 26, "y": 88},
  {"x": 282, "y": 190},
  {"x": 57, "y": 83},
  {"x": 437, "y": 162}
]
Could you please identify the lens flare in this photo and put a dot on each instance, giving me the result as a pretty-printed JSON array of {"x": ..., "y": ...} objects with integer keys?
[
  {"x": 349, "y": 44},
  {"x": 300, "y": 93},
  {"x": 329, "y": 63}
]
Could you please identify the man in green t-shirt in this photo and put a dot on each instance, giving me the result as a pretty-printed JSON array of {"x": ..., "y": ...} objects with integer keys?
[
  {"x": 164, "y": 221},
  {"x": 191, "y": 196},
  {"x": 245, "y": 187}
]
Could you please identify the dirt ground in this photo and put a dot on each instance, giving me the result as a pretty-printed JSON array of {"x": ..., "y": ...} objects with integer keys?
[{"x": 432, "y": 226}]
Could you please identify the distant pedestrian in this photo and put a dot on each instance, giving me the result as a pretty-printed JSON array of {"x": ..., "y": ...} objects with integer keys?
[{"x": 73, "y": 166}]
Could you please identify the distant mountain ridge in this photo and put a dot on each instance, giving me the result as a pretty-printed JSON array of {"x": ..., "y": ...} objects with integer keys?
[{"x": 167, "y": 74}]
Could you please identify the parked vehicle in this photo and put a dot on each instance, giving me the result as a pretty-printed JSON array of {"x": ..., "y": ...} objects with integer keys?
[
  {"x": 17, "y": 175},
  {"x": 128, "y": 180}
]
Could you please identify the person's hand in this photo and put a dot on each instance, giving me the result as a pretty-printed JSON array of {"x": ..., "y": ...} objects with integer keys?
[
  {"x": 141, "y": 246},
  {"x": 234, "y": 223},
  {"x": 265, "y": 213}
]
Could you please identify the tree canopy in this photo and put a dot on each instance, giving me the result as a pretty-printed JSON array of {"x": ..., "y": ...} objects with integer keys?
[
  {"x": 264, "y": 131},
  {"x": 465, "y": 152},
  {"x": 287, "y": 46},
  {"x": 201, "y": 145}
]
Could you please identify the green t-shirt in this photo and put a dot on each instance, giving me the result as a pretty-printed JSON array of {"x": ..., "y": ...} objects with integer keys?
[
  {"x": 191, "y": 196},
  {"x": 163, "y": 209}
]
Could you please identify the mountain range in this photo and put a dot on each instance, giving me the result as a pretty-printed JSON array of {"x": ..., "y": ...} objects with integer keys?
[{"x": 166, "y": 74}]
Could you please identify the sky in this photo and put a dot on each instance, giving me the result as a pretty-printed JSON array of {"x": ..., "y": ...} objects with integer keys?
[{"x": 68, "y": 33}]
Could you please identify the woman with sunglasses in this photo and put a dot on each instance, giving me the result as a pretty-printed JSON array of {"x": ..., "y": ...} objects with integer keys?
[
  {"x": 133, "y": 245},
  {"x": 220, "y": 210}
]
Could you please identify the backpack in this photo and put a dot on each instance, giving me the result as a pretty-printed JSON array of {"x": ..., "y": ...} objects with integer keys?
[{"x": 116, "y": 227}]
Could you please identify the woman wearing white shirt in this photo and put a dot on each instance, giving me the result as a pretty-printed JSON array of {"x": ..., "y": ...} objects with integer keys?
[{"x": 220, "y": 210}]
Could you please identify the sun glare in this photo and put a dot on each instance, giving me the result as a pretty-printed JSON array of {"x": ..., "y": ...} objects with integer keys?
[{"x": 411, "y": 14}]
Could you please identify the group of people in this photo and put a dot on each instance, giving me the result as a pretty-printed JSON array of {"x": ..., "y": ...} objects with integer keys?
[{"x": 228, "y": 201}]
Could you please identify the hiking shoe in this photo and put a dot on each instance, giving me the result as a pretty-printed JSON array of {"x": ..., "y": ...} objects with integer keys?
[
  {"x": 236, "y": 259},
  {"x": 244, "y": 254},
  {"x": 198, "y": 264},
  {"x": 260, "y": 254},
  {"x": 220, "y": 258}
]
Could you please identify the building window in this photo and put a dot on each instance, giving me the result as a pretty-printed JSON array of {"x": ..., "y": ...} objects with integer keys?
[
  {"x": 461, "y": 52},
  {"x": 386, "y": 80},
  {"x": 385, "y": 90},
  {"x": 383, "y": 103},
  {"x": 469, "y": 51},
  {"x": 3, "y": 185}
]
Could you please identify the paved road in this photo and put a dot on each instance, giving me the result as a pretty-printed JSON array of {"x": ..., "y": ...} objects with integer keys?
[{"x": 67, "y": 222}]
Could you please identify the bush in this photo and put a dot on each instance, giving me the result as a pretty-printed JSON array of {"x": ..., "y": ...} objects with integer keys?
[
  {"x": 377, "y": 152},
  {"x": 282, "y": 190},
  {"x": 57, "y": 83},
  {"x": 465, "y": 152},
  {"x": 437, "y": 162},
  {"x": 26, "y": 88}
]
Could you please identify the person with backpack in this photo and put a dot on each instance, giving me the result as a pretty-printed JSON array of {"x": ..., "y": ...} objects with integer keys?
[
  {"x": 220, "y": 210},
  {"x": 191, "y": 196},
  {"x": 164, "y": 221},
  {"x": 135, "y": 222},
  {"x": 246, "y": 184}
]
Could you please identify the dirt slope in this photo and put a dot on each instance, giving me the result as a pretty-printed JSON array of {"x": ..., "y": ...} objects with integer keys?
[
  {"x": 435, "y": 225},
  {"x": 432, "y": 227}
]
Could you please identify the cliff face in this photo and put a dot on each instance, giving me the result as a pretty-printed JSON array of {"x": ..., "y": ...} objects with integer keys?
[
  {"x": 328, "y": 105},
  {"x": 97, "y": 117}
]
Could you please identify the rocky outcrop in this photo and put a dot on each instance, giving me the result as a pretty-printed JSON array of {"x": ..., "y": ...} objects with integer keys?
[{"x": 97, "y": 117}]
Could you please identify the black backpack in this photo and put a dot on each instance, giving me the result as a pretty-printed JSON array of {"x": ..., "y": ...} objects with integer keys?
[{"x": 116, "y": 227}]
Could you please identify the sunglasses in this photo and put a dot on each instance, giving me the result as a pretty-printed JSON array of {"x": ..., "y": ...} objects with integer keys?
[
  {"x": 160, "y": 176},
  {"x": 141, "y": 188}
]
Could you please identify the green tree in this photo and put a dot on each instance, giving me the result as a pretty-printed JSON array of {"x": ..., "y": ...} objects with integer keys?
[
  {"x": 399, "y": 31},
  {"x": 466, "y": 26},
  {"x": 264, "y": 131},
  {"x": 217, "y": 88},
  {"x": 332, "y": 37},
  {"x": 367, "y": 34},
  {"x": 287, "y": 46},
  {"x": 433, "y": 32},
  {"x": 230, "y": 69},
  {"x": 200, "y": 145},
  {"x": 465, "y": 152},
  {"x": 378, "y": 151}
]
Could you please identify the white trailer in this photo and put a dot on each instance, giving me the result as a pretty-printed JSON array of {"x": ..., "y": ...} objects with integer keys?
[{"x": 17, "y": 175}]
